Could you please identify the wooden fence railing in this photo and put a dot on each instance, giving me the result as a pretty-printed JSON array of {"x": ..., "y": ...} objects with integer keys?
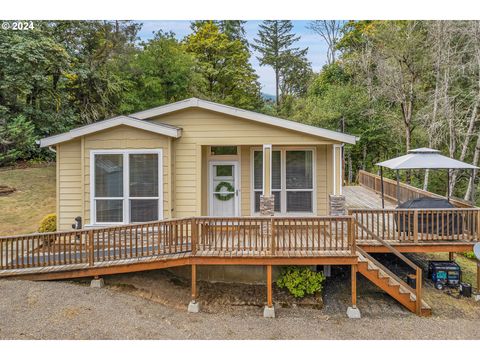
[
  {"x": 418, "y": 225},
  {"x": 407, "y": 192},
  {"x": 255, "y": 236}
]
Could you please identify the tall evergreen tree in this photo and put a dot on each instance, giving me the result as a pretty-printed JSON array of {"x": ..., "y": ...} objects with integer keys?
[
  {"x": 234, "y": 29},
  {"x": 275, "y": 44}
]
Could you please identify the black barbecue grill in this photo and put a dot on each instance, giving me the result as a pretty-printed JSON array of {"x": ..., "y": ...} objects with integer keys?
[{"x": 443, "y": 224}]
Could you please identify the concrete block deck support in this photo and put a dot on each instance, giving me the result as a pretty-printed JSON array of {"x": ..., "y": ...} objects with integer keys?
[
  {"x": 97, "y": 282},
  {"x": 269, "y": 310},
  {"x": 353, "y": 312},
  {"x": 194, "y": 306}
]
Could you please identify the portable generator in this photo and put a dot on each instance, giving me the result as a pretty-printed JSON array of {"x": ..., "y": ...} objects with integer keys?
[{"x": 444, "y": 274}]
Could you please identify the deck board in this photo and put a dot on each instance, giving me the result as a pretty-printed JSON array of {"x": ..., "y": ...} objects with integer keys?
[{"x": 359, "y": 197}]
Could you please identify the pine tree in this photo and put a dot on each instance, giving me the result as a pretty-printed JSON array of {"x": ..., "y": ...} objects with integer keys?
[
  {"x": 274, "y": 43},
  {"x": 234, "y": 29}
]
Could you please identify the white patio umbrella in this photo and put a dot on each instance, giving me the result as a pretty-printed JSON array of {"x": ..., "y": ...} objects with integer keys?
[{"x": 423, "y": 158}]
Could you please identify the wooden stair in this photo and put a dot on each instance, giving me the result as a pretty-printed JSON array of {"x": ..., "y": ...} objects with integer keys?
[{"x": 390, "y": 283}]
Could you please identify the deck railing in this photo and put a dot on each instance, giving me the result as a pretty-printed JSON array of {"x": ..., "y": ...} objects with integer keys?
[
  {"x": 418, "y": 225},
  {"x": 94, "y": 245},
  {"x": 240, "y": 236},
  {"x": 407, "y": 192}
]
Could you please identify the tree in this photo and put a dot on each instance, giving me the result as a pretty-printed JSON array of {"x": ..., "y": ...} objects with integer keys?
[
  {"x": 17, "y": 140},
  {"x": 95, "y": 85},
  {"x": 234, "y": 29},
  {"x": 274, "y": 43},
  {"x": 224, "y": 64},
  {"x": 330, "y": 31},
  {"x": 161, "y": 72}
]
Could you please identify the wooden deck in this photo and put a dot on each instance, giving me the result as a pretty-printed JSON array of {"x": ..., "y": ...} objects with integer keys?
[
  {"x": 360, "y": 197},
  {"x": 410, "y": 230},
  {"x": 245, "y": 240}
]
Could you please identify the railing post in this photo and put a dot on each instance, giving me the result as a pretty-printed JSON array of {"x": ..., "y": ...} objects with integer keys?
[
  {"x": 91, "y": 249},
  {"x": 418, "y": 291},
  {"x": 194, "y": 235},
  {"x": 477, "y": 232},
  {"x": 350, "y": 234},
  {"x": 415, "y": 226},
  {"x": 272, "y": 237}
]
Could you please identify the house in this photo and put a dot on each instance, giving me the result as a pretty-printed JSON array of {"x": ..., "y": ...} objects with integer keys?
[
  {"x": 194, "y": 158},
  {"x": 196, "y": 184}
]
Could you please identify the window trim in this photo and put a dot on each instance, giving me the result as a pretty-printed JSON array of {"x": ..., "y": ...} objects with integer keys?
[
  {"x": 126, "y": 184},
  {"x": 283, "y": 190}
]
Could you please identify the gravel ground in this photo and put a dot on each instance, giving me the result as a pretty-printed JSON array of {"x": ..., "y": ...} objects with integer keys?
[{"x": 153, "y": 306}]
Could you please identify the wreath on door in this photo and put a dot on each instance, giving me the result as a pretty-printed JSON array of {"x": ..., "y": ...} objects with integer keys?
[{"x": 228, "y": 187}]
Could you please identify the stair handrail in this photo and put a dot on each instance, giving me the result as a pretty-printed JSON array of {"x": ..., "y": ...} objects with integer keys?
[
  {"x": 418, "y": 270},
  {"x": 384, "y": 268}
]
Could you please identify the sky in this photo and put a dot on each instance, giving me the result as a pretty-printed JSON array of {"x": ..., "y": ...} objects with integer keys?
[{"x": 317, "y": 49}]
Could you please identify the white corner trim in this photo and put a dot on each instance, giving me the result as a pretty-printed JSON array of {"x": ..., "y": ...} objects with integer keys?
[
  {"x": 246, "y": 114},
  {"x": 161, "y": 129},
  {"x": 334, "y": 158},
  {"x": 264, "y": 147}
]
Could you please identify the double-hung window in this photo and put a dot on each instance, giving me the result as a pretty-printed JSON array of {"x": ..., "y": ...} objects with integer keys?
[
  {"x": 126, "y": 186},
  {"x": 292, "y": 180}
]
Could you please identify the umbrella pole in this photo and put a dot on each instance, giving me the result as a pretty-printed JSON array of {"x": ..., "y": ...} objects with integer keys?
[
  {"x": 398, "y": 188},
  {"x": 381, "y": 186},
  {"x": 473, "y": 187},
  {"x": 448, "y": 185}
]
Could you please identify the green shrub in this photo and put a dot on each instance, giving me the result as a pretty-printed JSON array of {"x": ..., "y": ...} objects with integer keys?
[
  {"x": 48, "y": 223},
  {"x": 469, "y": 254},
  {"x": 300, "y": 281}
]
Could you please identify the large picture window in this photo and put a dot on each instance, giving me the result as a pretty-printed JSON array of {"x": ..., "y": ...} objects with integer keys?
[
  {"x": 292, "y": 180},
  {"x": 126, "y": 186}
]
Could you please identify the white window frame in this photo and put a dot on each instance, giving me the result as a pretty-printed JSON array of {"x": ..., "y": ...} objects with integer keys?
[
  {"x": 283, "y": 190},
  {"x": 126, "y": 184}
]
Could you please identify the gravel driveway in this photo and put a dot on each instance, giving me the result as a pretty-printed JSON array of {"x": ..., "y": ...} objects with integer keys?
[{"x": 72, "y": 310}]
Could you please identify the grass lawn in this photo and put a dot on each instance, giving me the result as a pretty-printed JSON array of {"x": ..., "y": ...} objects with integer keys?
[{"x": 21, "y": 211}]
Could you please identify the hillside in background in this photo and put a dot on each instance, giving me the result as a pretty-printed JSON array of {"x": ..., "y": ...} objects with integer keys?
[{"x": 21, "y": 211}]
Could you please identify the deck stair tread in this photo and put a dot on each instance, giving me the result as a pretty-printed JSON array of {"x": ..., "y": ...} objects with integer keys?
[{"x": 390, "y": 283}]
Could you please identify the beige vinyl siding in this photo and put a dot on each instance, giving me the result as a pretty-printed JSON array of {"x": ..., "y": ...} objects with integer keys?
[
  {"x": 322, "y": 171},
  {"x": 69, "y": 187},
  {"x": 125, "y": 137},
  {"x": 246, "y": 181},
  {"x": 203, "y": 127},
  {"x": 185, "y": 161}
]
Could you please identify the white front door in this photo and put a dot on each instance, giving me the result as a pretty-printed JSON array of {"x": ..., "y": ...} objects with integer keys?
[{"x": 223, "y": 188}]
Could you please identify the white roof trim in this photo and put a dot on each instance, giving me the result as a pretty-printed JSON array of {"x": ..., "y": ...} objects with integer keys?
[
  {"x": 245, "y": 114},
  {"x": 162, "y": 129}
]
